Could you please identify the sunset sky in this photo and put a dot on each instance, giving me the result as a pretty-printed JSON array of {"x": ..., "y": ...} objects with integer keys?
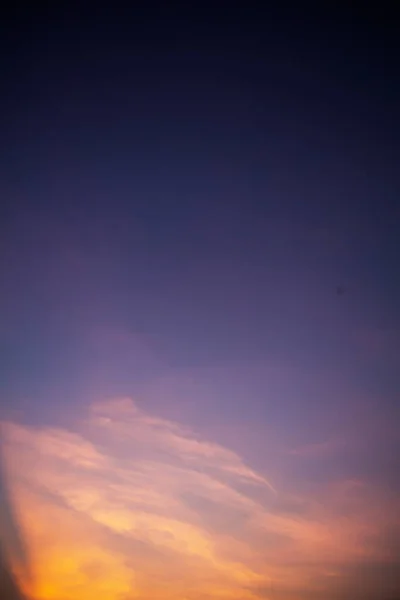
[{"x": 199, "y": 305}]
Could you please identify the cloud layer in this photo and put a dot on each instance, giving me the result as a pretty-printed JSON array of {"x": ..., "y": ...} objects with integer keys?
[{"x": 128, "y": 505}]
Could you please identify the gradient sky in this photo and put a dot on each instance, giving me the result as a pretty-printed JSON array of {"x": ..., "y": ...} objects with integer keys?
[{"x": 199, "y": 303}]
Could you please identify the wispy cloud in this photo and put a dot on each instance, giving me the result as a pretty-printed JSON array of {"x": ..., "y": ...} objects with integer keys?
[
  {"x": 318, "y": 450},
  {"x": 129, "y": 505}
]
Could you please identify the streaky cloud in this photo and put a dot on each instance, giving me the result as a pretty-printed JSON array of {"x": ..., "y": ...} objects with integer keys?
[{"x": 129, "y": 505}]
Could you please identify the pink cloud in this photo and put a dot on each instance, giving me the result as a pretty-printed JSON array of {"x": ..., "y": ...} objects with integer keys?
[
  {"x": 318, "y": 450},
  {"x": 129, "y": 504}
]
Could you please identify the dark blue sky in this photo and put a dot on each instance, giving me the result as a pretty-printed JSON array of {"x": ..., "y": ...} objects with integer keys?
[
  {"x": 205, "y": 184},
  {"x": 206, "y": 181}
]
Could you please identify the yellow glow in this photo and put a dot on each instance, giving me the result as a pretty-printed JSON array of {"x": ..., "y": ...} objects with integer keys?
[{"x": 130, "y": 506}]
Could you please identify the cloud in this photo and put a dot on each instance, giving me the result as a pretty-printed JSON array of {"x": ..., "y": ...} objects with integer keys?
[
  {"x": 130, "y": 505},
  {"x": 318, "y": 450}
]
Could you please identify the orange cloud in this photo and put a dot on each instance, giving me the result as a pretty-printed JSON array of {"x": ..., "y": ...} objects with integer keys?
[{"x": 129, "y": 505}]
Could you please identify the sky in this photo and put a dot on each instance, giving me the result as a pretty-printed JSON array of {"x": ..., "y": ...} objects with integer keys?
[{"x": 199, "y": 304}]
